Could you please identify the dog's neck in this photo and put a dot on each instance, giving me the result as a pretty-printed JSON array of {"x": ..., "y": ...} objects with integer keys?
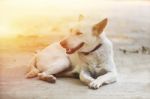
[{"x": 94, "y": 49}]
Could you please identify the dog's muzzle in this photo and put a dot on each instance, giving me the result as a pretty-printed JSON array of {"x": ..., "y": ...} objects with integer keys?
[{"x": 71, "y": 50}]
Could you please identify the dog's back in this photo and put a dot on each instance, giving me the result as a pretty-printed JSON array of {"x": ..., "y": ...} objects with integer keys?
[{"x": 52, "y": 56}]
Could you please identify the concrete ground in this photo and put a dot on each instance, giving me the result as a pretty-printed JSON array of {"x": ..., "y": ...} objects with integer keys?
[
  {"x": 134, "y": 81},
  {"x": 129, "y": 29}
]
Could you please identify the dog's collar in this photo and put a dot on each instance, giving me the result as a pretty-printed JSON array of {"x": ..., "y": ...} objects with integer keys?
[{"x": 95, "y": 48}]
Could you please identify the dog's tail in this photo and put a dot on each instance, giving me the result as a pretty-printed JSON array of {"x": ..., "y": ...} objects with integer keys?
[{"x": 32, "y": 71}]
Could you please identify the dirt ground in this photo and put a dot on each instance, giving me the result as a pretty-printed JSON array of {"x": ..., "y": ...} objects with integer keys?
[{"x": 129, "y": 29}]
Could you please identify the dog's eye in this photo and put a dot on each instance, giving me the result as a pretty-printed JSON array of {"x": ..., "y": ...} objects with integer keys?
[{"x": 78, "y": 33}]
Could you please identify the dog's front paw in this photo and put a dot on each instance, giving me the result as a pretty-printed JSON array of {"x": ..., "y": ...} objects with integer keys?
[{"x": 95, "y": 84}]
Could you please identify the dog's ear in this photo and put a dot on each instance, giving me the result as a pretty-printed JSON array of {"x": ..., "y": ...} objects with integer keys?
[{"x": 99, "y": 27}]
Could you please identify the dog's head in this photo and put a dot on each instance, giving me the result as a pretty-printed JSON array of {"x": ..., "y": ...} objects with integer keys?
[{"x": 79, "y": 41}]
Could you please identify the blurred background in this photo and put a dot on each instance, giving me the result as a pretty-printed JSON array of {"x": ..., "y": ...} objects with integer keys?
[
  {"x": 27, "y": 26},
  {"x": 44, "y": 21}
]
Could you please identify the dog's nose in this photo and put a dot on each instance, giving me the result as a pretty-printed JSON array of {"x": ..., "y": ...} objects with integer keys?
[{"x": 63, "y": 43}]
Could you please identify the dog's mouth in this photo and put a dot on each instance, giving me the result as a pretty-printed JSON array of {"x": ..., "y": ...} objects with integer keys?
[{"x": 72, "y": 50}]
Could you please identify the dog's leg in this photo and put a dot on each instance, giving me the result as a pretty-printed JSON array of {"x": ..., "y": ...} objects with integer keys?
[
  {"x": 107, "y": 78},
  {"x": 45, "y": 77},
  {"x": 86, "y": 77},
  {"x": 32, "y": 71},
  {"x": 48, "y": 74}
]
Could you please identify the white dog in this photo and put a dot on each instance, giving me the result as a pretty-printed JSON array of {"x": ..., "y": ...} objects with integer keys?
[
  {"x": 90, "y": 56},
  {"x": 95, "y": 52}
]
